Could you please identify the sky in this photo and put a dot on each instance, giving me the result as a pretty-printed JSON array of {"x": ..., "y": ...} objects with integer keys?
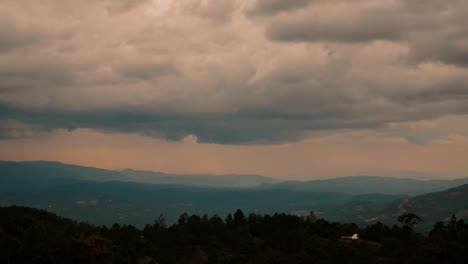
[{"x": 297, "y": 89}]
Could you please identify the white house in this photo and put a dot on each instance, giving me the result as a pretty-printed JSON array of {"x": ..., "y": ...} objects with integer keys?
[{"x": 353, "y": 237}]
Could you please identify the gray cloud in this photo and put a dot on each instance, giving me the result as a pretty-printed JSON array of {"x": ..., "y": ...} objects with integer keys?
[
  {"x": 434, "y": 30},
  {"x": 359, "y": 21},
  {"x": 205, "y": 69},
  {"x": 282, "y": 121},
  {"x": 121, "y": 6},
  {"x": 11, "y": 129},
  {"x": 271, "y": 7},
  {"x": 218, "y": 11},
  {"x": 223, "y": 128},
  {"x": 16, "y": 34},
  {"x": 441, "y": 47},
  {"x": 145, "y": 71},
  {"x": 310, "y": 29}
]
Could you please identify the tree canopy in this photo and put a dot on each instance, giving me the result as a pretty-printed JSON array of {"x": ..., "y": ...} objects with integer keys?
[{"x": 33, "y": 236}]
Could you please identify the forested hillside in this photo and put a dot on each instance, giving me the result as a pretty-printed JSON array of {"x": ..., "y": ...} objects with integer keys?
[{"x": 34, "y": 236}]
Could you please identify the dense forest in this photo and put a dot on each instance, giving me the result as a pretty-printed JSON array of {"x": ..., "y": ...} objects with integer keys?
[{"x": 35, "y": 236}]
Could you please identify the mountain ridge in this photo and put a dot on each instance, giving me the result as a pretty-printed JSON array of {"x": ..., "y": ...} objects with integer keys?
[
  {"x": 348, "y": 184},
  {"x": 370, "y": 184},
  {"x": 54, "y": 169},
  {"x": 79, "y": 192}
]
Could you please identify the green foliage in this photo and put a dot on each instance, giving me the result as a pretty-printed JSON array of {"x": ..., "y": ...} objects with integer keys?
[{"x": 34, "y": 236}]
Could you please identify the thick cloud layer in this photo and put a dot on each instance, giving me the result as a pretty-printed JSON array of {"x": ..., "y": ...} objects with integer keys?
[
  {"x": 231, "y": 72},
  {"x": 433, "y": 30}
]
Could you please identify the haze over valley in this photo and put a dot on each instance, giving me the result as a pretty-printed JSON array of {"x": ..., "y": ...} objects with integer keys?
[{"x": 105, "y": 197}]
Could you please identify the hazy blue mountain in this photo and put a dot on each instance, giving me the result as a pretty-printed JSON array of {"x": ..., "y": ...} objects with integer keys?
[
  {"x": 104, "y": 196},
  {"x": 139, "y": 203},
  {"x": 198, "y": 179},
  {"x": 50, "y": 169},
  {"x": 50, "y": 186},
  {"x": 352, "y": 185},
  {"x": 369, "y": 184}
]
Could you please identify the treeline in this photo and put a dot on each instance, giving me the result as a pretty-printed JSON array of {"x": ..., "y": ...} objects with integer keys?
[{"x": 34, "y": 236}]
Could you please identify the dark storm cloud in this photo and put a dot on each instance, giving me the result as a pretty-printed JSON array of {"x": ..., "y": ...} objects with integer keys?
[
  {"x": 271, "y": 7},
  {"x": 255, "y": 127},
  {"x": 261, "y": 126},
  {"x": 441, "y": 47},
  {"x": 347, "y": 22},
  {"x": 434, "y": 30},
  {"x": 314, "y": 31}
]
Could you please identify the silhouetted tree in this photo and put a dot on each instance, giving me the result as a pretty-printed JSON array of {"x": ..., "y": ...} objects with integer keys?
[
  {"x": 409, "y": 220},
  {"x": 239, "y": 218},
  {"x": 312, "y": 217},
  {"x": 183, "y": 218},
  {"x": 229, "y": 220},
  {"x": 161, "y": 221}
]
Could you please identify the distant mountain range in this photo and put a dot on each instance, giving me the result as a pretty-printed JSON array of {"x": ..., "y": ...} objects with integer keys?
[
  {"x": 207, "y": 180},
  {"x": 137, "y": 197},
  {"x": 369, "y": 184},
  {"x": 51, "y": 169},
  {"x": 134, "y": 203},
  {"x": 350, "y": 185}
]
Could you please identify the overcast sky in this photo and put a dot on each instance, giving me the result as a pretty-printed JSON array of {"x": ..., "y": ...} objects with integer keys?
[{"x": 288, "y": 88}]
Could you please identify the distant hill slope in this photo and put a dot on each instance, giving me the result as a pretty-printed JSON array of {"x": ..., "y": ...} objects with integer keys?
[
  {"x": 50, "y": 186},
  {"x": 351, "y": 185},
  {"x": 32, "y": 170},
  {"x": 436, "y": 206},
  {"x": 431, "y": 207},
  {"x": 105, "y": 196},
  {"x": 52, "y": 169},
  {"x": 140, "y": 203},
  {"x": 232, "y": 180},
  {"x": 370, "y": 184}
]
